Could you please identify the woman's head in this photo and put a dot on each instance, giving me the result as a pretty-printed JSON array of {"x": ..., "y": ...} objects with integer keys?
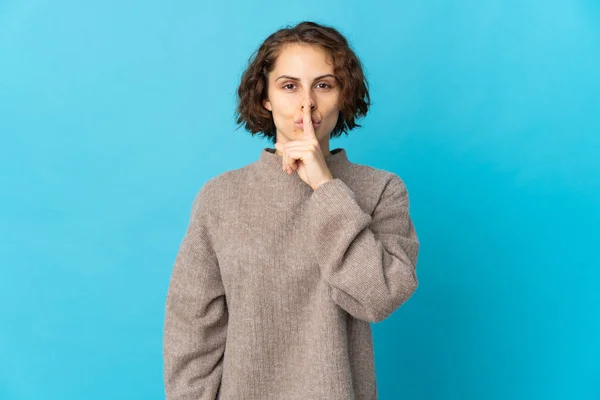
[{"x": 306, "y": 61}]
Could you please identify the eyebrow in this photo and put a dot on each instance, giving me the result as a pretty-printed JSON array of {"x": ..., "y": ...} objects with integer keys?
[{"x": 297, "y": 79}]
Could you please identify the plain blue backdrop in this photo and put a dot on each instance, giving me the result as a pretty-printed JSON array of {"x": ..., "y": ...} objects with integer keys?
[{"x": 113, "y": 114}]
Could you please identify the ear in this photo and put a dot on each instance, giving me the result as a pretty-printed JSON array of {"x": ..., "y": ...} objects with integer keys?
[{"x": 267, "y": 105}]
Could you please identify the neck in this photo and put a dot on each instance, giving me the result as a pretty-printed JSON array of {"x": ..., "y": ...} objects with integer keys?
[
  {"x": 325, "y": 154},
  {"x": 269, "y": 167},
  {"x": 323, "y": 145}
]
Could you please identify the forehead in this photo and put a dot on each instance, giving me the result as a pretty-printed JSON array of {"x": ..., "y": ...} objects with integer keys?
[{"x": 303, "y": 59}]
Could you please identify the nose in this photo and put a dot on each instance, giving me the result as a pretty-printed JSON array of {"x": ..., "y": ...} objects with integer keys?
[
  {"x": 312, "y": 105},
  {"x": 309, "y": 96}
]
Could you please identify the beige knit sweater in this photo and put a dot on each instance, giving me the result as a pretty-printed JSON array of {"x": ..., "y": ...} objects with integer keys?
[{"x": 274, "y": 284}]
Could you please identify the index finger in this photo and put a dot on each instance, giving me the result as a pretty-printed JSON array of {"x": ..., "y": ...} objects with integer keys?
[{"x": 309, "y": 130}]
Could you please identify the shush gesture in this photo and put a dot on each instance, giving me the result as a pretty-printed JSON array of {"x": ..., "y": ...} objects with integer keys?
[{"x": 305, "y": 155}]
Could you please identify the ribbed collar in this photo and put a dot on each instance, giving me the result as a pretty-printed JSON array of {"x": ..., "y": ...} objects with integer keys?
[{"x": 269, "y": 165}]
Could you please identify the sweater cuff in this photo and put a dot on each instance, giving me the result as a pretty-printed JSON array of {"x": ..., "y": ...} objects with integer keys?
[{"x": 334, "y": 193}]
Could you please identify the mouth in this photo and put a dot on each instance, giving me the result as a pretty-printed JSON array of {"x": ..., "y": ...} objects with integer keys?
[{"x": 300, "y": 125}]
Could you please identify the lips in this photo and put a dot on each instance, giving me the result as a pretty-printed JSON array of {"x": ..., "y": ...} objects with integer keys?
[
  {"x": 300, "y": 124},
  {"x": 300, "y": 120}
]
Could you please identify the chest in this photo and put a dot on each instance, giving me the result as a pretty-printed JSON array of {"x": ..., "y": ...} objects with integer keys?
[{"x": 266, "y": 250}]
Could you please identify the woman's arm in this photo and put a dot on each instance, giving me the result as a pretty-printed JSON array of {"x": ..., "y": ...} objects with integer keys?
[
  {"x": 196, "y": 314},
  {"x": 368, "y": 261}
]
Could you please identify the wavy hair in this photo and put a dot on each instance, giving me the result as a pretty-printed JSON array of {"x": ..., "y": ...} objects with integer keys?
[{"x": 354, "y": 98}]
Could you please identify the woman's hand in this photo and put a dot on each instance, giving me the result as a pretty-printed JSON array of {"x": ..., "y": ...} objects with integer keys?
[{"x": 305, "y": 156}]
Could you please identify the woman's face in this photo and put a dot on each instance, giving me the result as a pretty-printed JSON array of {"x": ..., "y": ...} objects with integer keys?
[{"x": 301, "y": 72}]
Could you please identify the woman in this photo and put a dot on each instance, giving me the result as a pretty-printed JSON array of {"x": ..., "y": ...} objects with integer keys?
[{"x": 287, "y": 260}]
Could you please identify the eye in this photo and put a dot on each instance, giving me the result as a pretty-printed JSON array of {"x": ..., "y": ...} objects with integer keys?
[{"x": 327, "y": 86}]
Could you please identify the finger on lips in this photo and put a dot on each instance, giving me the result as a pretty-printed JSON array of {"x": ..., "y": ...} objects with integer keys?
[
  {"x": 308, "y": 126},
  {"x": 288, "y": 164}
]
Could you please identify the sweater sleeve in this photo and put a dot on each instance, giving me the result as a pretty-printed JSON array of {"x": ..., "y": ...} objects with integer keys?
[
  {"x": 196, "y": 314},
  {"x": 369, "y": 261}
]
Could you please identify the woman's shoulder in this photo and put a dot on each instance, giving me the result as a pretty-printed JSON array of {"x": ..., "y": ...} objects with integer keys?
[
  {"x": 221, "y": 182},
  {"x": 375, "y": 175}
]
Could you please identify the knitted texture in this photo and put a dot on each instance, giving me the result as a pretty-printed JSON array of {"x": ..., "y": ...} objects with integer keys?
[{"x": 275, "y": 284}]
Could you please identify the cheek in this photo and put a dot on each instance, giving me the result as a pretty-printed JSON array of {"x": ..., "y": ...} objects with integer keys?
[
  {"x": 331, "y": 106},
  {"x": 283, "y": 111},
  {"x": 333, "y": 112}
]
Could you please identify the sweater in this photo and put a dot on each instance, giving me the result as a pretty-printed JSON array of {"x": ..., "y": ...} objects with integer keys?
[{"x": 275, "y": 284}]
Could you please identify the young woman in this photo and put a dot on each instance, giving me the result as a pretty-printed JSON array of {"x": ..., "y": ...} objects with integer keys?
[{"x": 287, "y": 260}]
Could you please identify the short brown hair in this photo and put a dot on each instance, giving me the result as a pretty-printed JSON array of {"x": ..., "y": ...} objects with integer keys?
[{"x": 354, "y": 96}]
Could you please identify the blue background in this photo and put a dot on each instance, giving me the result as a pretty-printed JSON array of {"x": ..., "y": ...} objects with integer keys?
[{"x": 114, "y": 114}]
